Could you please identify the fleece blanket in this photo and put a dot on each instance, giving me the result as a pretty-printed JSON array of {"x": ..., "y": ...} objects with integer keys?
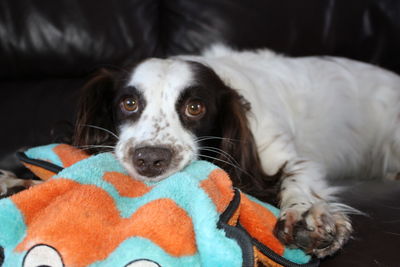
[{"x": 89, "y": 212}]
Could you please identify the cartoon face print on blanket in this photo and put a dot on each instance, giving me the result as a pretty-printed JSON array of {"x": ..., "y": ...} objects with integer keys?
[{"x": 89, "y": 212}]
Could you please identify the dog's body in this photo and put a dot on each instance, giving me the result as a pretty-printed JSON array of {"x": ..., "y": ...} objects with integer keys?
[
  {"x": 338, "y": 113},
  {"x": 317, "y": 118},
  {"x": 300, "y": 122}
]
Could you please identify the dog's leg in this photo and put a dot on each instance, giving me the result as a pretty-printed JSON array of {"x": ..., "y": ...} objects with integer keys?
[
  {"x": 10, "y": 184},
  {"x": 310, "y": 218}
]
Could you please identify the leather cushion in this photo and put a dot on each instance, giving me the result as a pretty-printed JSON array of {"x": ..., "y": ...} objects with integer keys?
[{"x": 66, "y": 38}]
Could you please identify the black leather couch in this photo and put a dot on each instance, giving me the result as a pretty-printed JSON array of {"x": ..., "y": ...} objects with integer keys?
[{"x": 48, "y": 49}]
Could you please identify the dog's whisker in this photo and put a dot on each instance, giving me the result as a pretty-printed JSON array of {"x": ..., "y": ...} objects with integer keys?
[
  {"x": 220, "y": 152},
  {"x": 226, "y": 162},
  {"x": 100, "y": 128},
  {"x": 221, "y": 160},
  {"x": 203, "y": 138}
]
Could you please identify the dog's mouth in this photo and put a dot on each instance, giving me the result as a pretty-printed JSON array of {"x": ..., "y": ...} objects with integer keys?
[{"x": 150, "y": 163}]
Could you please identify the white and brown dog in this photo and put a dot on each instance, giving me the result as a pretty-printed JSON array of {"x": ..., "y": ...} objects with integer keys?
[{"x": 280, "y": 126}]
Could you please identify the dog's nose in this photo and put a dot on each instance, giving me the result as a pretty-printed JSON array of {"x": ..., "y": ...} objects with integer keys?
[{"x": 151, "y": 161}]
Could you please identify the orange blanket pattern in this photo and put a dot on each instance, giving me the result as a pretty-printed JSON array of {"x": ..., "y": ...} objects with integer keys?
[{"x": 89, "y": 212}]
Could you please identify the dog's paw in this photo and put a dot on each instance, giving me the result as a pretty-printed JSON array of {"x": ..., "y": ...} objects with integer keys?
[
  {"x": 5, "y": 177},
  {"x": 321, "y": 230},
  {"x": 10, "y": 184}
]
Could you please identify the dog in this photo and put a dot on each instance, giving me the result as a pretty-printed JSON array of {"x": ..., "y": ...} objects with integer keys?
[
  {"x": 11, "y": 184},
  {"x": 282, "y": 127}
]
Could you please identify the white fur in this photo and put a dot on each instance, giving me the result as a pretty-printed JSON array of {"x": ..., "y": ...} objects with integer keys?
[{"x": 340, "y": 115}]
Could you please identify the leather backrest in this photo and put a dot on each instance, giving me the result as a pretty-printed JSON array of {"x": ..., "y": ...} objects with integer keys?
[
  {"x": 367, "y": 30},
  {"x": 73, "y": 37},
  {"x": 67, "y": 38}
]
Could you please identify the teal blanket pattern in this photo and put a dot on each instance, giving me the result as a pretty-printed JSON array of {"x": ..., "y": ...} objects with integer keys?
[{"x": 89, "y": 212}]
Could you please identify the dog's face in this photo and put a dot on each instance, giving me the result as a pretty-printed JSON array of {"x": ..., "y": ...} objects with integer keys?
[
  {"x": 167, "y": 113},
  {"x": 160, "y": 112}
]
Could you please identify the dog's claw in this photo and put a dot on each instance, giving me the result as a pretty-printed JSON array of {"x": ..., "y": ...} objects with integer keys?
[{"x": 317, "y": 231}]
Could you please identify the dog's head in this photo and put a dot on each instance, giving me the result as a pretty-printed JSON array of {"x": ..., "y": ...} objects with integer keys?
[{"x": 166, "y": 113}]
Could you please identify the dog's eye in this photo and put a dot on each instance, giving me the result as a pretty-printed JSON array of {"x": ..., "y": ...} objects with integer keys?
[
  {"x": 129, "y": 104},
  {"x": 195, "y": 109}
]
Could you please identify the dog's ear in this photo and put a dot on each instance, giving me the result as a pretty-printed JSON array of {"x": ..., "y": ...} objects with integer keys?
[
  {"x": 94, "y": 122},
  {"x": 238, "y": 142}
]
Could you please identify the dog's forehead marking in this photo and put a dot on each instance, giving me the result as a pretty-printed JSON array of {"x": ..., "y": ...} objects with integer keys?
[
  {"x": 164, "y": 78},
  {"x": 161, "y": 82}
]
